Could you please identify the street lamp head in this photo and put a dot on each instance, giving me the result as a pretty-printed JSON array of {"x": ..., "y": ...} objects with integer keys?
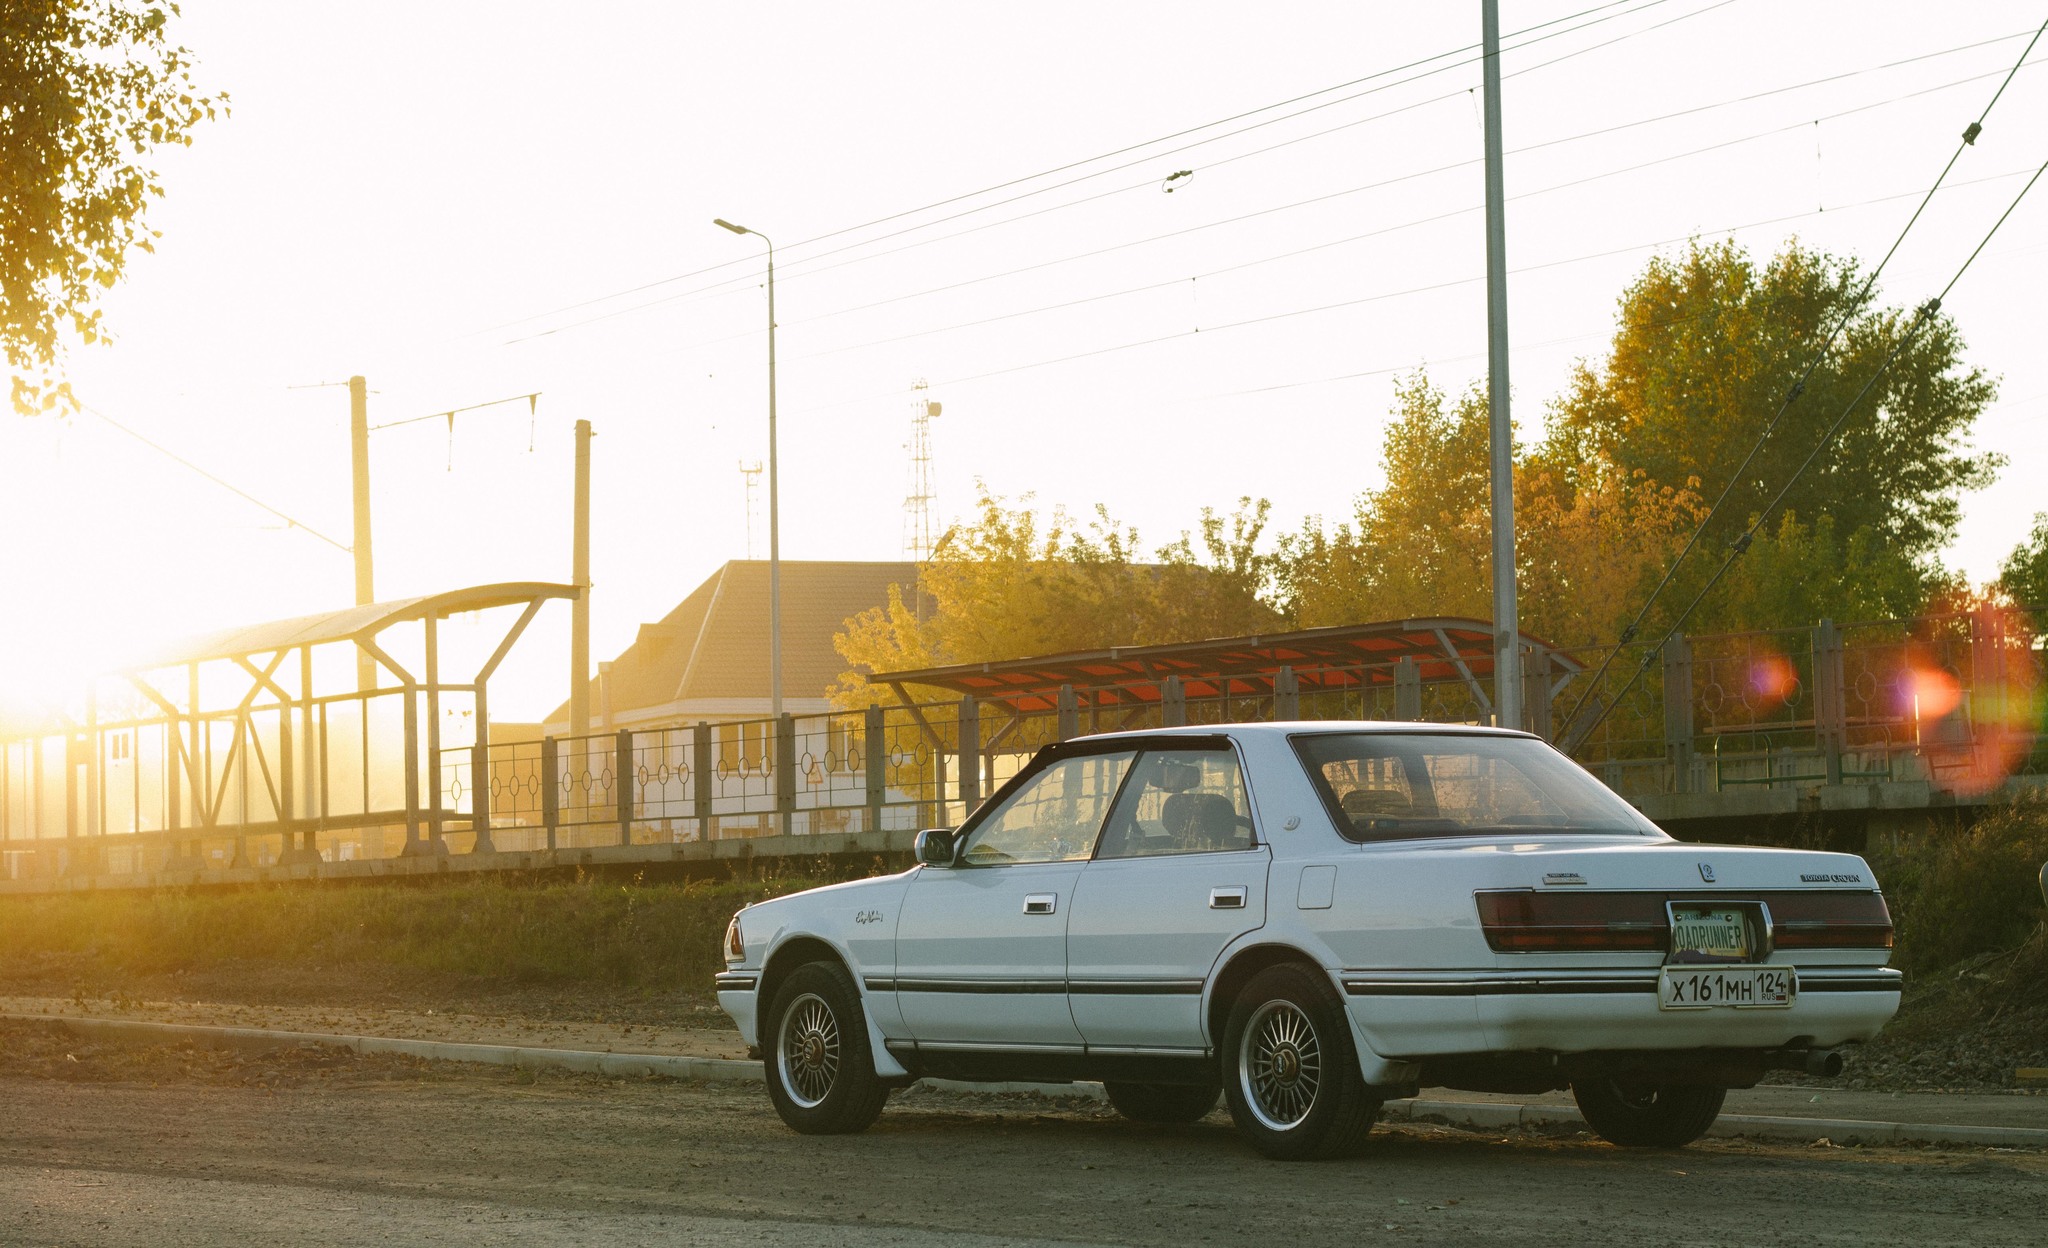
[{"x": 737, "y": 229}]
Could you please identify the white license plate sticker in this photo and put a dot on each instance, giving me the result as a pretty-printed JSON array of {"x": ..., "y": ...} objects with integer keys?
[
  {"x": 1705, "y": 987},
  {"x": 1709, "y": 934}
]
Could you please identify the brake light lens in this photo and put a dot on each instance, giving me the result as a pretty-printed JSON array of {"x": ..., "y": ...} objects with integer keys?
[
  {"x": 1528, "y": 922},
  {"x": 1831, "y": 921}
]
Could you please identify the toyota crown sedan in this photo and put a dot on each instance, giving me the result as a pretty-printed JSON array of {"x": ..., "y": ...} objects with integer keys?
[{"x": 1307, "y": 920}]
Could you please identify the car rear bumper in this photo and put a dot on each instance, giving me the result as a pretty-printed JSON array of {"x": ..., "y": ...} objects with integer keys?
[{"x": 1413, "y": 1013}]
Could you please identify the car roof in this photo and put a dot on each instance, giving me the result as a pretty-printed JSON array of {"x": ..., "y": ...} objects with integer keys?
[{"x": 1288, "y": 728}]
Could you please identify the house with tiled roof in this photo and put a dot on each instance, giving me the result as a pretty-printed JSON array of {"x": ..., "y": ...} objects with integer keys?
[{"x": 708, "y": 658}]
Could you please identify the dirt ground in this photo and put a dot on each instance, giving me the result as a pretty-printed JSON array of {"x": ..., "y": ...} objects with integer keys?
[
  {"x": 171, "y": 1145},
  {"x": 1942, "y": 1042}
]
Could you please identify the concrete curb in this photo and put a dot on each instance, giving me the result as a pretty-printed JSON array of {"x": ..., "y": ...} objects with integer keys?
[
  {"x": 1492, "y": 1115},
  {"x": 1483, "y": 1115},
  {"x": 257, "y": 1039}
]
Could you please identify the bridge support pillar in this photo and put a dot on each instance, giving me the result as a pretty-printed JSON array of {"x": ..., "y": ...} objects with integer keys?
[
  {"x": 1678, "y": 740},
  {"x": 1830, "y": 700}
]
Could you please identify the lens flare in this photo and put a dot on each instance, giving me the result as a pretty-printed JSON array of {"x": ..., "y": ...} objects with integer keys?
[{"x": 1772, "y": 680}]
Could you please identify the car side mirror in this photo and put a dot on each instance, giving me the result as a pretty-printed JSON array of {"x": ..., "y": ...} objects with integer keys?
[{"x": 934, "y": 847}]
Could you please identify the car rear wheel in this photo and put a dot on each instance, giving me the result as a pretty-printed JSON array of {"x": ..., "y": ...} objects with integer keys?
[
  {"x": 1290, "y": 1071},
  {"x": 821, "y": 1074},
  {"x": 1636, "y": 1114},
  {"x": 1171, "y": 1104}
]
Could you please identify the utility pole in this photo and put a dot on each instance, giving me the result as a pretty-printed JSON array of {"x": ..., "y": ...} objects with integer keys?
[
  {"x": 359, "y": 459},
  {"x": 1507, "y": 634},
  {"x": 579, "y": 610}
]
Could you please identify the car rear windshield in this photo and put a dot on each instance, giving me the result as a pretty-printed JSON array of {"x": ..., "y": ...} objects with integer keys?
[{"x": 1396, "y": 786}]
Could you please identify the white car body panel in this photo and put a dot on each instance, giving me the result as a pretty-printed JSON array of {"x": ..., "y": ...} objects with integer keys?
[
  {"x": 1146, "y": 935},
  {"x": 1394, "y": 925}
]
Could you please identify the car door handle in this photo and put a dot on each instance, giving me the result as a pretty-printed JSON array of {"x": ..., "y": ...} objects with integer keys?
[
  {"x": 1231, "y": 898},
  {"x": 1041, "y": 903}
]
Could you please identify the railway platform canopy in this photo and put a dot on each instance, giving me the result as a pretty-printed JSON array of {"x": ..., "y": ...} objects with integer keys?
[
  {"x": 288, "y": 741},
  {"x": 1439, "y": 668}
]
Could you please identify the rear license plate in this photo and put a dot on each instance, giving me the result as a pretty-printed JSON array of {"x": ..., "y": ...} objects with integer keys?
[
  {"x": 1710, "y": 933},
  {"x": 1705, "y": 987}
]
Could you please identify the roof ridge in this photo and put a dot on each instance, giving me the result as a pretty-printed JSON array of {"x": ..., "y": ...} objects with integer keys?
[{"x": 703, "y": 627}]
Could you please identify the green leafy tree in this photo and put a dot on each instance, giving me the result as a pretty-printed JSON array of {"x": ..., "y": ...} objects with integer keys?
[
  {"x": 88, "y": 89},
  {"x": 1708, "y": 346},
  {"x": 2023, "y": 577}
]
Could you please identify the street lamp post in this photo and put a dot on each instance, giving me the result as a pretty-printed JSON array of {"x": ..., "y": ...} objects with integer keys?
[{"x": 774, "y": 525}]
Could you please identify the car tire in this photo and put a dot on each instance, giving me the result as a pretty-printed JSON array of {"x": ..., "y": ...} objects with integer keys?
[
  {"x": 1290, "y": 1072},
  {"x": 1647, "y": 1115},
  {"x": 821, "y": 1073},
  {"x": 1169, "y": 1104}
]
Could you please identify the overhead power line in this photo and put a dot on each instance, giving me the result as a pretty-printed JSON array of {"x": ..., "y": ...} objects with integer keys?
[
  {"x": 1072, "y": 165},
  {"x": 1586, "y": 134},
  {"x": 290, "y": 520},
  {"x": 1849, "y": 311},
  {"x": 1329, "y": 307},
  {"x": 726, "y": 286}
]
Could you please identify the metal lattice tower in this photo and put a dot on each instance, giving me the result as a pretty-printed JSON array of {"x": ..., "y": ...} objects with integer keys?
[
  {"x": 917, "y": 504},
  {"x": 752, "y": 472}
]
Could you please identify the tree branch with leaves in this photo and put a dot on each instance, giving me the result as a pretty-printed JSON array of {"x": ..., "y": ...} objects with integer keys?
[{"x": 89, "y": 89}]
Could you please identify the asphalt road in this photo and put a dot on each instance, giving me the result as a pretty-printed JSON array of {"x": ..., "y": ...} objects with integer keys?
[{"x": 170, "y": 1148}]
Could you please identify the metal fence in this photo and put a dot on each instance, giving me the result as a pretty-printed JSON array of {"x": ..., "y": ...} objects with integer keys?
[{"x": 1954, "y": 701}]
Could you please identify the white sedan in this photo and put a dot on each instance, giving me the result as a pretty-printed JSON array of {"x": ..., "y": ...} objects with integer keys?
[{"x": 1310, "y": 919}]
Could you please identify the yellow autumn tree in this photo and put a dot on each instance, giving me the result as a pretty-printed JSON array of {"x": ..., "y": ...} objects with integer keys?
[
  {"x": 1015, "y": 582},
  {"x": 1420, "y": 544}
]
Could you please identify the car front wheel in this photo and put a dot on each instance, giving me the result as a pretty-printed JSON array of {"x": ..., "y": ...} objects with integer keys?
[
  {"x": 821, "y": 1074},
  {"x": 1647, "y": 1115},
  {"x": 1290, "y": 1071}
]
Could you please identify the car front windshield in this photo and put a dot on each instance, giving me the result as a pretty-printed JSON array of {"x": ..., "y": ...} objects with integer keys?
[{"x": 1396, "y": 786}]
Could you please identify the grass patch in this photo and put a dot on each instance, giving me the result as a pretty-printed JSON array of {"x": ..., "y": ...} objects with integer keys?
[
  {"x": 633, "y": 938},
  {"x": 1967, "y": 894}
]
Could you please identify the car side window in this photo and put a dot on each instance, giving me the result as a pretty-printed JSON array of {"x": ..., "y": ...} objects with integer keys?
[
  {"x": 1180, "y": 802},
  {"x": 1054, "y": 817}
]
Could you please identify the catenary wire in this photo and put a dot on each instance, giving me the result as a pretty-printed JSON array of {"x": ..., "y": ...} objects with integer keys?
[
  {"x": 1090, "y": 160},
  {"x": 1102, "y": 251},
  {"x": 722, "y": 288},
  {"x": 236, "y": 490},
  {"x": 1110, "y": 155},
  {"x": 1571, "y": 183},
  {"x": 808, "y": 265}
]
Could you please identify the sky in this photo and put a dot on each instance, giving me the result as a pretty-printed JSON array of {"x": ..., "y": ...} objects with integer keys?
[{"x": 465, "y": 202}]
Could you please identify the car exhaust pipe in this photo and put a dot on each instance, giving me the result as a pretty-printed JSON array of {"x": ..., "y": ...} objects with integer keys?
[{"x": 1820, "y": 1063}]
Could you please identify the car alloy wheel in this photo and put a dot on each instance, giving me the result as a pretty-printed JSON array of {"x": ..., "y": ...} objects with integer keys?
[
  {"x": 1281, "y": 1065},
  {"x": 815, "y": 1054},
  {"x": 808, "y": 1050},
  {"x": 1291, "y": 1074}
]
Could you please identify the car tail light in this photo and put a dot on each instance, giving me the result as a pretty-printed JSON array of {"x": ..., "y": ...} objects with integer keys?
[
  {"x": 1522, "y": 921},
  {"x": 1529, "y": 922},
  {"x": 1830, "y": 920}
]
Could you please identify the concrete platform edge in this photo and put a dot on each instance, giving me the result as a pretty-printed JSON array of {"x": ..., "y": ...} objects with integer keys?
[{"x": 1484, "y": 1115}]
